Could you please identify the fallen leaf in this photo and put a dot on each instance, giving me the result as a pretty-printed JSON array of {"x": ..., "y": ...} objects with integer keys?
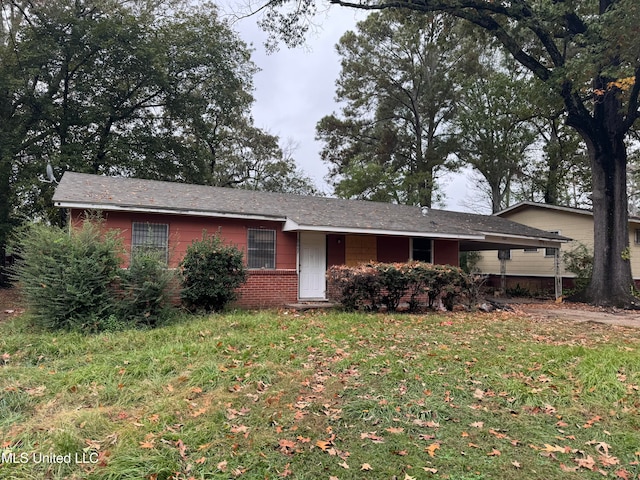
[
  {"x": 201, "y": 460},
  {"x": 182, "y": 449},
  {"x": 147, "y": 444},
  {"x": 516, "y": 464},
  {"x": 494, "y": 453},
  {"x": 372, "y": 436},
  {"x": 344, "y": 465},
  {"x": 589, "y": 463},
  {"x": 477, "y": 424},
  {"x": 222, "y": 466},
  {"x": 286, "y": 472},
  {"x": 431, "y": 449},
  {"x": 623, "y": 474},
  {"x": 239, "y": 429},
  {"x": 366, "y": 467},
  {"x": 323, "y": 445},
  {"x": 286, "y": 446},
  {"x": 395, "y": 430},
  {"x": 564, "y": 468}
]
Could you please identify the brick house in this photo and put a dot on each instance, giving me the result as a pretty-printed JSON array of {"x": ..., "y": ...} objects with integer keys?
[{"x": 288, "y": 241}]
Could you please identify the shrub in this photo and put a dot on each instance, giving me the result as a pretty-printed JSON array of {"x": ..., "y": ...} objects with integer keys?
[
  {"x": 146, "y": 290},
  {"x": 67, "y": 278},
  {"x": 356, "y": 287},
  {"x": 211, "y": 273},
  {"x": 368, "y": 285},
  {"x": 579, "y": 261}
]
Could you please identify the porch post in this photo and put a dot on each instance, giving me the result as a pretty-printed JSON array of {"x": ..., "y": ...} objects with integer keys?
[{"x": 558, "y": 277}]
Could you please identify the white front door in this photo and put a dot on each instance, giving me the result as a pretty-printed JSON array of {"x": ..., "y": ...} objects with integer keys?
[{"x": 313, "y": 265}]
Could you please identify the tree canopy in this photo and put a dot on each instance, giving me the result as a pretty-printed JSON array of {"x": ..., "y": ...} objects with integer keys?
[
  {"x": 159, "y": 89},
  {"x": 399, "y": 81}
]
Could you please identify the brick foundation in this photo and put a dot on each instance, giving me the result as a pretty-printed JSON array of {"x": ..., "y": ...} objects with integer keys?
[{"x": 268, "y": 288}]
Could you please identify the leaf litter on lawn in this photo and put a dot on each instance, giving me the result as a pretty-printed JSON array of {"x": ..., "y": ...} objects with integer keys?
[{"x": 282, "y": 394}]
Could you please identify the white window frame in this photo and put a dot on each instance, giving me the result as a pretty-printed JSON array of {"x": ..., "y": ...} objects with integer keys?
[
  {"x": 550, "y": 252},
  {"x": 430, "y": 240}
]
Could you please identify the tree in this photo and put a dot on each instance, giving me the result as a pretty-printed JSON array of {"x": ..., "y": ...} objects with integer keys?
[
  {"x": 156, "y": 89},
  {"x": 399, "y": 80},
  {"x": 588, "y": 54},
  {"x": 494, "y": 125}
]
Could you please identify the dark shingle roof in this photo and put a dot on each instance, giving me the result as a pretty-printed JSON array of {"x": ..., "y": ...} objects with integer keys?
[{"x": 301, "y": 212}]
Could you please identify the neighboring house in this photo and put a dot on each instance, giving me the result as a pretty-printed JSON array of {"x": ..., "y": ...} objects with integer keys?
[
  {"x": 288, "y": 241},
  {"x": 533, "y": 268}
]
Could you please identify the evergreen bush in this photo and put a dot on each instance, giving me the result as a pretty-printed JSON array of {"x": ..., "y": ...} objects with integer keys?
[
  {"x": 211, "y": 273},
  {"x": 67, "y": 278},
  {"x": 146, "y": 290}
]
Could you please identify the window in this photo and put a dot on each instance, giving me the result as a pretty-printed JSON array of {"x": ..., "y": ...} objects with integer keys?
[
  {"x": 637, "y": 236},
  {"x": 422, "y": 250},
  {"x": 531, "y": 250},
  {"x": 150, "y": 237},
  {"x": 504, "y": 254},
  {"x": 551, "y": 252},
  {"x": 261, "y": 248}
]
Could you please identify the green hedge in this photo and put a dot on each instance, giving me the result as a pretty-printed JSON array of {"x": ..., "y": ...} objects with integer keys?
[{"x": 421, "y": 285}]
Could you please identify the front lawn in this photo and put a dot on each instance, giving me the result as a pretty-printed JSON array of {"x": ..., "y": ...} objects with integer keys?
[{"x": 323, "y": 396}]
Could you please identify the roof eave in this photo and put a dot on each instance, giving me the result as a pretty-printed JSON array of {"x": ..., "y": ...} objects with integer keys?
[
  {"x": 292, "y": 226},
  {"x": 168, "y": 211}
]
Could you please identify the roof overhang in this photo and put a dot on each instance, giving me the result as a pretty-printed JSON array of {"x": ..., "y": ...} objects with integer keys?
[
  {"x": 292, "y": 226},
  {"x": 167, "y": 211},
  {"x": 513, "y": 242}
]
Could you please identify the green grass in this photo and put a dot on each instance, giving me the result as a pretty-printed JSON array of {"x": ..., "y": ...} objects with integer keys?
[{"x": 304, "y": 396}]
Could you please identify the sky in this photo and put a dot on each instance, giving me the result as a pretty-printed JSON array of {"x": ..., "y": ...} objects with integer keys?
[{"x": 295, "y": 88}]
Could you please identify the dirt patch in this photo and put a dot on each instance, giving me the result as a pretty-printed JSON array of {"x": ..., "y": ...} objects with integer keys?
[
  {"x": 10, "y": 303},
  {"x": 579, "y": 312}
]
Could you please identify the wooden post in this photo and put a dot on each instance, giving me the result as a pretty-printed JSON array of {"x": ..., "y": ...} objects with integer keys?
[{"x": 558, "y": 276}]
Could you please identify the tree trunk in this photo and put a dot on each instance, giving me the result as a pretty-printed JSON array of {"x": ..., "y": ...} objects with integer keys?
[{"x": 612, "y": 282}]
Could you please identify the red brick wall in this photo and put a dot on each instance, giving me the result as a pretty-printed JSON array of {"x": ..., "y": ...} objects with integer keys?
[
  {"x": 269, "y": 288},
  {"x": 264, "y": 288},
  {"x": 184, "y": 229}
]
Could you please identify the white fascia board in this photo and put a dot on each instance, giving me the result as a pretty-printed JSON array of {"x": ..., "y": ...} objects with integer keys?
[
  {"x": 167, "y": 211},
  {"x": 293, "y": 226},
  {"x": 524, "y": 240}
]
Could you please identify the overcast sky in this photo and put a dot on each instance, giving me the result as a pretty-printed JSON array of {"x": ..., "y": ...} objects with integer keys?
[{"x": 295, "y": 88}]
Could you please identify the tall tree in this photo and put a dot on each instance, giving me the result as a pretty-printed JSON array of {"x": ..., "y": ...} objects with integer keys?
[
  {"x": 587, "y": 52},
  {"x": 155, "y": 89},
  {"x": 494, "y": 125},
  {"x": 399, "y": 80}
]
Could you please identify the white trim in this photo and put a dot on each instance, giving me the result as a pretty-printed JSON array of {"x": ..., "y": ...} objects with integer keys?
[
  {"x": 559, "y": 208},
  {"x": 167, "y": 211},
  {"x": 293, "y": 226},
  {"x": 505, "y": 237}
]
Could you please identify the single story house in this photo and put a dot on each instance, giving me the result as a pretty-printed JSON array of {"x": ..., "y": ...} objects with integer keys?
[
  {"x": 533, "y": 268},
  {"x": 288, "y": 241}
]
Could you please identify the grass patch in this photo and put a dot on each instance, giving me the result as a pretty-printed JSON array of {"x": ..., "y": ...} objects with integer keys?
[{"x": 320, "y": 395}]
